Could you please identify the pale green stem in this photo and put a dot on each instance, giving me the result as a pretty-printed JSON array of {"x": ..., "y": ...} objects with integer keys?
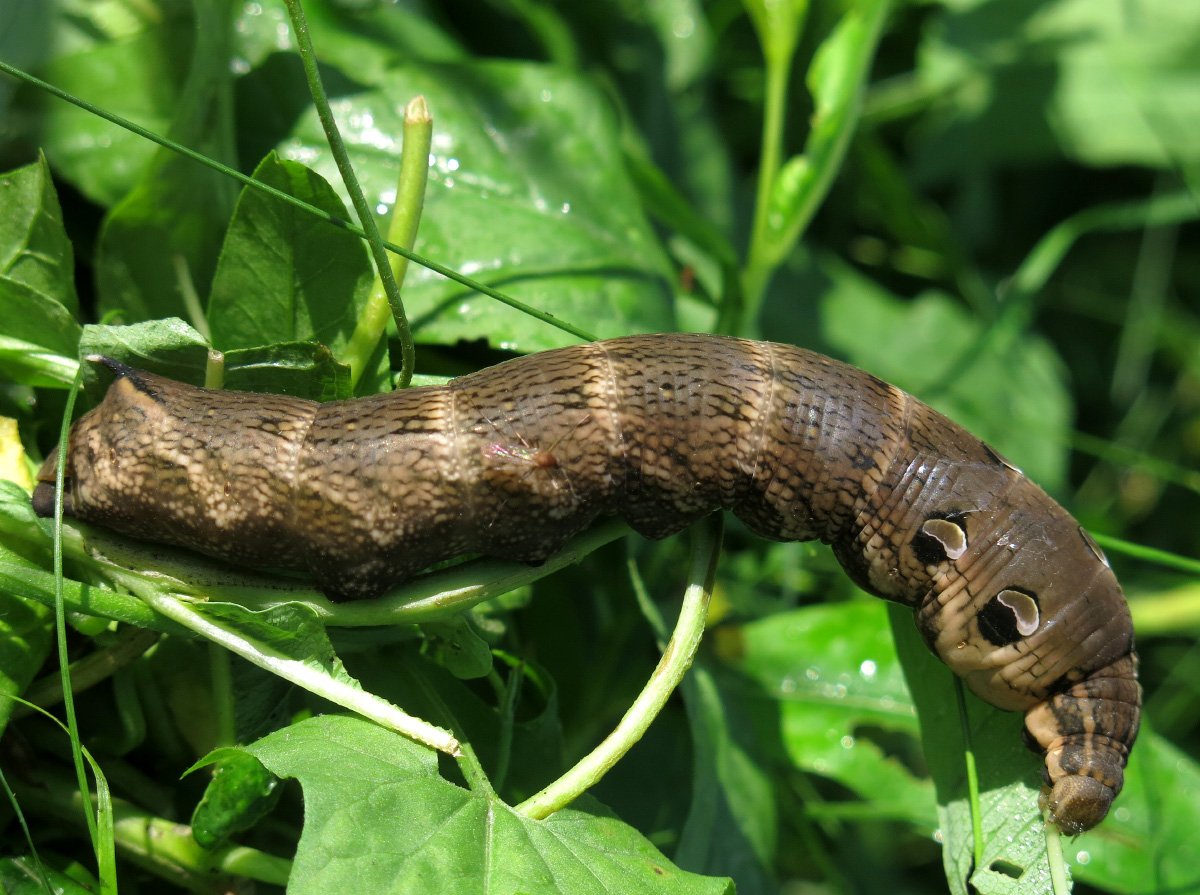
[
  {"x": 191, "y": 298},
  {"x": 972, "y": 774},
  {"x": 214, "y": 369},
  {"x": 298, "y": 672},
  {"x": 437, "y": 595},
  {"x": 759, "y": 263},
  {"x": 131, "y": 644},
  {"x": 402, "y": 230},
  {"x": 163, "y": 847},
  {"x": 674, "y": 664},
  {"x": 1059, "y": 882}
]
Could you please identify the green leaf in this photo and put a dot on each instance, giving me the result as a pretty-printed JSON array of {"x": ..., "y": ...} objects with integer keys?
[
  {"x": 527, "y": 190},
  {"x": 835, "y": 79},
  {"x": 23, "y": 876},
  {"x": 379, "y": 818},
  {"x": 34, "y": 248},
  {"x": 363, "y": 38},
  {"x": 454, "y": 645},
  {"x": 308, "y": 280},
  {"x": 834, "y": 672},
  {"x": 239, "y": 794},
  {"x": 1014, "y": 858},
  {"x": 169, "y": 347},
  {"x": 128, "y": 55},
  {"x": 300, "y": 369},
  {"x": 1148, "y": 841},
  {"x": 1103, "y": 84},
  {"x": 40, "y": 336},
  {"x": 26, "y": 632},
  {"x": 166, "y": 231},
  {"x": 732, "y": 822},
  {"x": 37, "y": 286}
]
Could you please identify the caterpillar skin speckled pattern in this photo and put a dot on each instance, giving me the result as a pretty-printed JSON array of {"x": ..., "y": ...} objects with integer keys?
[{"x": 1007, "y": 589}]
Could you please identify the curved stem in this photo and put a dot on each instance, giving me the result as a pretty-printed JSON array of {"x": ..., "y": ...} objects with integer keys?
[
  {"x": 301, "y": 673},
  {"x": 676, "y": 660}
]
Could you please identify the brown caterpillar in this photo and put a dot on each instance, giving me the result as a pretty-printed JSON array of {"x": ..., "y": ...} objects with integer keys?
[{"x": 1007, "y": 588}]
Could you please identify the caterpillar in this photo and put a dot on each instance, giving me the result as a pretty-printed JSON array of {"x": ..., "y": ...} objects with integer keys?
[{"x": 1006, "y": 587}]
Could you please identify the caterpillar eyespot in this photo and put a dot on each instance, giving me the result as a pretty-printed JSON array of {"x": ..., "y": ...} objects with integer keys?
[{"x": 513, "y": 460}]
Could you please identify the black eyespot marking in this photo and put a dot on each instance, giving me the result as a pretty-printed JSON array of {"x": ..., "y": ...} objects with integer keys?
[
  {"x": 1009, "y": 616},
  {"x": 1093, "y": 546},
  {"x": 941, "y": 538}
]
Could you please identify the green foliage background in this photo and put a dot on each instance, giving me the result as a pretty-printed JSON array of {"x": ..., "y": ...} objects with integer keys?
[{"x": 992, "y": 203}]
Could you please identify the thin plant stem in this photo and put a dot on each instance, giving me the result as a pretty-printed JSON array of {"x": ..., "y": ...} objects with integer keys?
[
  {"x": 759, "y": 265},
  {"x": 214, "y": 369},
  {"x": 348, "y": 226},
  {"x": 1060, "y": 883},
  {"x": 1149, "y": 554},
  {"x": 130, "y": 645},
  {"x": 972, "y": 774},
  {"x": 341, "y": 157},
  {"x": 402, "y": 229},
  {"x": 300, "y": 673},
  {"x": 60, "y": 612},
  {"x": 674, "y": 664}
]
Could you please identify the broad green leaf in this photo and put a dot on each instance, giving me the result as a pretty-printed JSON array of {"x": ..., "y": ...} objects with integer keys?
[
  {"x": 303, "y": 369},
  {"x": 161, "y": 239},
  {"x": 732, "y": 823},
  {"x": 1104, "y": 84},
  {"x": 1014, "y": 845},
  {"x": 129, "y": 56},
  {"x": 34, "y": 248},
  {"x": 379, "y": 818},
  {"x": 527, "y": 191},
  {"x": 169, "y": 347},
  {"x": 834, "y": 673},
  {"x": 364, "y": 39},
  {"x": 285, "y": 275},
  {"x": 38, "y": 330},
  {"x": 26, "y": 632}
]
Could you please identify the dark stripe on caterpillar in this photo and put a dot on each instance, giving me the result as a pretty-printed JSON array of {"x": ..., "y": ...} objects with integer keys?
[{"x": 513, "y": 460}]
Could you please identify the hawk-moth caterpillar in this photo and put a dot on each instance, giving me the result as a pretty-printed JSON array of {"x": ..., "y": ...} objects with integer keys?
[{"x": 511, "y": 461}]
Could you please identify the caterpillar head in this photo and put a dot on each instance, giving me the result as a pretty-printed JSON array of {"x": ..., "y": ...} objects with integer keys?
[{"x": 1023, "y": 606}]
